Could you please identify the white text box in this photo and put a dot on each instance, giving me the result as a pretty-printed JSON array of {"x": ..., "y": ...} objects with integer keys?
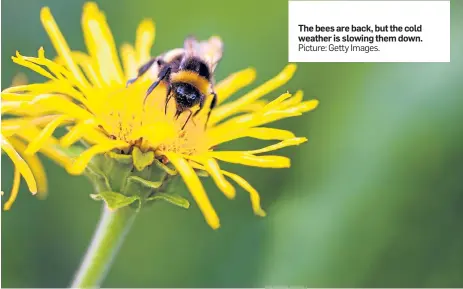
[{"x": 369, "y": 31}]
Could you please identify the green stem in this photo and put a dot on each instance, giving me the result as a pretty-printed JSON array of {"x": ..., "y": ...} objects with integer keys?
[{"x": 107, "y": 239}]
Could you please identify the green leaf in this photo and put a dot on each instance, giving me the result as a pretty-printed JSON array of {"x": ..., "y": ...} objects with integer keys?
[
  {"x": 140, "y": 159},
  {"x": 143, "y": 182},
  {"x": 115, "y": 200},
  {"x": 125, "y": 159},
  {"x": 98, "y": 178},
  {"x": 173, "y": 199},
  {"x": 165, "y": 168}
]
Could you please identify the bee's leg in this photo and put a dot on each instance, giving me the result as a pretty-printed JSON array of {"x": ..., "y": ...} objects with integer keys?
[
  {"x": 142, "y": 70},
  {"x": 188, "y": 118},
  {"x": 211, "y": 107},
  {"x": 168, "y": 97},
  {"x": 163, "y": 74},
  {"x": 201, "y": 105},
  {"x": 177, "y": 114}
]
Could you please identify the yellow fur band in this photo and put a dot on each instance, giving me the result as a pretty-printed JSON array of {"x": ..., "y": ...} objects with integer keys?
[{"x": 192, "y": 78}]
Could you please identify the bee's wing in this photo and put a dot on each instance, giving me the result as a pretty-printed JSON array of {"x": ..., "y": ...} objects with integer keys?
[
  {"x": 172, "y": 54},
  {"x": 166, "y": 57},
  {"x": 191, "y": 46},
  {"x": 211, "y": 51}
]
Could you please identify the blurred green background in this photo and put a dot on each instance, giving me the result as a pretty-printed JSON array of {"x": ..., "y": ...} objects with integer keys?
[{"x": 375, "y": 198}]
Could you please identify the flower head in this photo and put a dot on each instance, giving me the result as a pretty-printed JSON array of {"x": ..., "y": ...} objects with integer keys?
[{"x": 87, "y": 93}]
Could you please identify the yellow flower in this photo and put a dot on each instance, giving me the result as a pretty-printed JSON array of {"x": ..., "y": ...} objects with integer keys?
[{"x": 88, "y": 94}]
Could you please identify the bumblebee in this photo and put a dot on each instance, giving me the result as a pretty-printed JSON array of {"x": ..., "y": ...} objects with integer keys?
[{"x": 188, "y": 73}]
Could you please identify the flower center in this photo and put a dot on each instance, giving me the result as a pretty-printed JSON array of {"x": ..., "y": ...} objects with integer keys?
[{"x": 123, "y": 115}]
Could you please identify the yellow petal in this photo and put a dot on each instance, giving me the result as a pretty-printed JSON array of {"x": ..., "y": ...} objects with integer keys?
[
  {"x": 276, "y": 102},
  {"x": 8, "y": 106},
  {"x": 129, "y": 60},
  {"x": 60, "y": 87},
  {"x": 260, "y": 117},
  {"x": 144, "y": 40},
  {"x": 282, "y": 78},
  {"x": 263, "y": 133},
  {"x": 34, "y": 67},
  {"x": 38, "y": 170},
  {"x": 84, "y": 129},
  {"x": 57, "y": 104},
  {"x": 16, "y": 97},
  {"x": 79, "y": 164},
  {"x": 212, "y": 167},
  {"x": 196, "y": 189},
  {"x": 267, "y": 133},
  {"x": 58, "y": 70},
  {"x": 252, "y": 160},
  {"x": 92, "y": 74},
  {"x": 254, "y": 107},
  {"x": 12, "y": 126},
  {"x": 253, "y": 194},
  {"x": 14, "y": 190},
  {"x": 35, "y": 165},
  {"x": 46, "y": 132},
  {"x": 100, "y": 44},
  {"x": 296, "y": 99},
  {"x": 61, "y": 45},
  {"x": 307, "y": 105},
  {"x": 94, "y": 135},
  {"x": 246, "y": 121},
  {"x": 50, "y": 148},
  {"x": 88, "y": 65},
  {"x": 234, "y": 82},
  {"x": 20, "y": 164},
  {"x": 288, "y": 142}
]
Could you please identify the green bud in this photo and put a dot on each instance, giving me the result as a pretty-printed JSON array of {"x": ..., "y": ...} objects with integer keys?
[{"x": 135, "y": 180}]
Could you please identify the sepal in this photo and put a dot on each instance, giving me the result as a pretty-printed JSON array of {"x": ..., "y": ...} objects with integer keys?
[{"x": 115, "y": 200}]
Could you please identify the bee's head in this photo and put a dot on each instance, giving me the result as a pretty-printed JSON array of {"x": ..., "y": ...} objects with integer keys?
[{"x": 186, "y": 94}]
